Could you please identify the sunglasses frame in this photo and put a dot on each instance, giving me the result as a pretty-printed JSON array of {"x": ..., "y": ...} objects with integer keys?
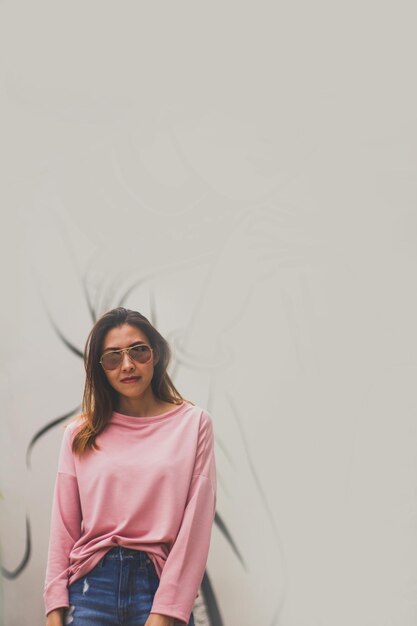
[{"x": 127, "y": 350}]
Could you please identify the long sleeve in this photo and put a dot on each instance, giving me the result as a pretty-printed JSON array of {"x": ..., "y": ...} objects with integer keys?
[
  {"x": 185, "y": 565},
  {"x": 65, "y": 528}
]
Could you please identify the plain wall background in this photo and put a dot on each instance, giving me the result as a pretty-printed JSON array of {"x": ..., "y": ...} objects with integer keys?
[{"x": 245, "y": 176}]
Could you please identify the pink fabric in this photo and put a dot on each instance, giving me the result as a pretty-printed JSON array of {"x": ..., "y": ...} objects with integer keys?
[{"x": 152, "y": 487}]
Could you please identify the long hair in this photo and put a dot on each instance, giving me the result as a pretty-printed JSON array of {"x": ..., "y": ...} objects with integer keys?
[{"x": 99, "y": 397}]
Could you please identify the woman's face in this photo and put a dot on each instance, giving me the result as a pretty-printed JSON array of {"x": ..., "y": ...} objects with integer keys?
[{"x": 123, "y": 337}]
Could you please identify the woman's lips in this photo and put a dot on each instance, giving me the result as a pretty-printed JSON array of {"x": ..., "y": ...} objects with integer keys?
[{"x": 130, "y": 380}]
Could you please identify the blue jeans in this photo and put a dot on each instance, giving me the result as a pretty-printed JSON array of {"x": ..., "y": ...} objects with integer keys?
[{"x": 118, "y": 591}]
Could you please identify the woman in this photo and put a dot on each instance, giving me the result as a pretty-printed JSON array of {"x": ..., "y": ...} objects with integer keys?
[{"x": 135, "y": 492}]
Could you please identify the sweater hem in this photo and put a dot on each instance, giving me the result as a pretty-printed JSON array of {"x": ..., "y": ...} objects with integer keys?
[
  {"x": 179, "y": 615},
  {"x": 53, "y": 608}
]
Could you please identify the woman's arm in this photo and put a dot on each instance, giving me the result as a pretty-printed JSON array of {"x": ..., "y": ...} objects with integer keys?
[
  {"x": 55, "y": 618},
  {"x": 65, "y": 529},
  {"x": 186, "y": 562}
]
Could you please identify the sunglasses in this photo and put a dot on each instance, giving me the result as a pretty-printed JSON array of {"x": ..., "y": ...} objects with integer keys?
[{"x": 141, "y": 353}]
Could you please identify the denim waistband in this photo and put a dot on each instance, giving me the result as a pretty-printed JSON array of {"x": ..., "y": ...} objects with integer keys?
[{"x": 120, "y": 552}]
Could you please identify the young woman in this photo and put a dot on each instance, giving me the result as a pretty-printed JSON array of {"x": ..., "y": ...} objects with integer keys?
[{"x": 135, "y": 491}]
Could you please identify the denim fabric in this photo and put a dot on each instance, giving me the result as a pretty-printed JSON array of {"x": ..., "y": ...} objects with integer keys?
[{"x": 118, "y": 591}]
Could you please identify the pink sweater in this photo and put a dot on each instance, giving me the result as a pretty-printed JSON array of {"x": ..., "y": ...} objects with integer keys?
[{"x": 152, "y": 487}]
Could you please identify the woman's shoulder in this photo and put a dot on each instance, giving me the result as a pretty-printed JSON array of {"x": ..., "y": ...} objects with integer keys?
[
  {"x": 74, "y": 424},
  {"x": 200, "y": 413}
]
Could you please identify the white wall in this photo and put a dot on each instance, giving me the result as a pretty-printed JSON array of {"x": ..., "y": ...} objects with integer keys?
[{"x": 246, "y": 177}]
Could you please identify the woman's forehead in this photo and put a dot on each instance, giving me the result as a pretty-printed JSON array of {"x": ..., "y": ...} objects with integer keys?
[{"x": 123, "y": 336}]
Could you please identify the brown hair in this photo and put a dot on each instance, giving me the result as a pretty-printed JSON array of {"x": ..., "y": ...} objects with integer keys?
[{"x": 99, "y": 398}]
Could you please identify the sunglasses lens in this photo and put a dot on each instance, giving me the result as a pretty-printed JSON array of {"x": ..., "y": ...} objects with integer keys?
[
  {"x": 141, "y": 354},
  {"x": 111, "y": 360}
]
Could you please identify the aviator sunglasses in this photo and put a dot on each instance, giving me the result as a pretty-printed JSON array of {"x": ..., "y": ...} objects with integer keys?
[{"x": 141, "y": 353}]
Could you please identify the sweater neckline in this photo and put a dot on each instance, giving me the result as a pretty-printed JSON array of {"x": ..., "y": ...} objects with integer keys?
[{"x": 132, "y": 420}]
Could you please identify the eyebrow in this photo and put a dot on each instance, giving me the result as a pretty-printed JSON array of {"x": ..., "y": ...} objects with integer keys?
[{"x": 135, "y": 343}]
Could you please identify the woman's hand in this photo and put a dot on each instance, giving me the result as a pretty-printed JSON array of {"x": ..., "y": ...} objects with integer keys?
[{"x": 156, "y": 619}]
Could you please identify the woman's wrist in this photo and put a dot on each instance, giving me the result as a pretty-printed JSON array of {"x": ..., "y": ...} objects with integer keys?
[{"x": 56, "y": 616}]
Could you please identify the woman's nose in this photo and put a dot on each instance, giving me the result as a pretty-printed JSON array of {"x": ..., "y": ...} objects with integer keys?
[{"x": 126, "y": 361}]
